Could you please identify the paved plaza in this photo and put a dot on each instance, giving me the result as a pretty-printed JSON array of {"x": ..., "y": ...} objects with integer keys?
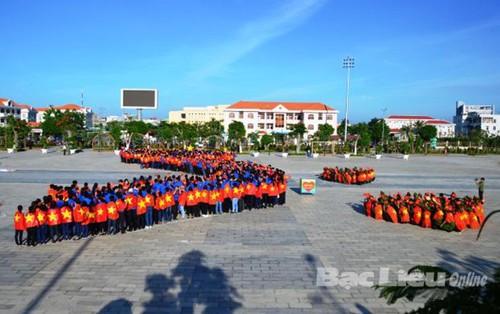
[{"x": 260, "y": 261}]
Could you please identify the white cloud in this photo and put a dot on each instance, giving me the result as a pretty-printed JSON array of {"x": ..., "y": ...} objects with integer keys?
[{"x": 256, "y": 33}]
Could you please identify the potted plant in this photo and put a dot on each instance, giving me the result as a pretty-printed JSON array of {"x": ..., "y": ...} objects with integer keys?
[
  {"x": 11, "y": 147},
  {"x": 405, "y": 149},
  {"x": 44, "y": 145},
  {"x": 378, "y": 152},
  {"x": 346, "y": 151}
]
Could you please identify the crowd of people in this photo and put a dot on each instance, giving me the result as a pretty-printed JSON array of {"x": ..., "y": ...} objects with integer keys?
[
  {"x": 213, "y": 183},
  {"x": 428, "y": 210},
  {"x": 355, "y": 175}
]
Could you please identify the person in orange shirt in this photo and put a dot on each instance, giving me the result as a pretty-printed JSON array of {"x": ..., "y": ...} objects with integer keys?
[
  {"x": 19, "y": 225},
  {"x": 31, "y": 226}
]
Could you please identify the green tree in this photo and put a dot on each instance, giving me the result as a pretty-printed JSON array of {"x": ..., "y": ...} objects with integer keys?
[
  {"x": 139, "y": 127},
  {"x": 115, "y": 130},
  {"x": 236, "y": 133},
  {"x": 254, "y": 139},
  {"x": 363, "y": 131},
  {"x": 477, "y": 137},
  {"x": 427, "y": 132},
  {"x": 18, "y": 128},
  {"x": 50, "y": 126},
  {"x": 71, "y": 122},
  {"x": 408, "y": 130},
  {"x": 379, "y": 130},
  {"x": 266, "y": 140},
  {"x": 298, "y": 130},
  {"x": 212, "y": 127},
  {"x": 324, "y": 132}
]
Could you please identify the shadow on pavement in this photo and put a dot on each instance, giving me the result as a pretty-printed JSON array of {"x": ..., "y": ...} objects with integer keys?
[
  {"x": 358, "y": 207},
  {"x": 323, "y": 297},
  {"x": 200, "y": 286},
  {"x": 471, "y": 263},
  {"x": 34, "y": 303}
]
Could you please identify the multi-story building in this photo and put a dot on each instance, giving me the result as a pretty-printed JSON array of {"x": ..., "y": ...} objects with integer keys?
[
  {"x": 476, "y": 117},
  {"x": 28, "y": 113},
  {"x": 8, "y": 108},
  {"x": 87, "y": 112},
  {"x": 397, "y": 122},
  {"x": 278, "y": 117},
  {"x": 197, "y": 114}
]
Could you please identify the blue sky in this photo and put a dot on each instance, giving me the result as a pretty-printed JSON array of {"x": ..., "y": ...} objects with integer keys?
[{"x": 411, "y": 56}]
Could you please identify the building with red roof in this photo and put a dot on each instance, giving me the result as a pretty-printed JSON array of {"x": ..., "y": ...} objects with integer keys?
[
  {"x": 279, "y": 117},
  {"x": 397, "y": 122}
]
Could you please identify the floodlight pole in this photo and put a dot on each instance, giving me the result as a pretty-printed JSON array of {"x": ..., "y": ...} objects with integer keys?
[
  {"x": 139, "y": 114},
  {"x": 383, "y": 125},
  {"x": 348, "y": 64}
]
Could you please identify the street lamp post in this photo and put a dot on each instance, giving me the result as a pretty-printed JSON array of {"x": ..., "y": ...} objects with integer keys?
[
  {"x": 348, "y": 64},
  {"x": 383, "y": 125}
]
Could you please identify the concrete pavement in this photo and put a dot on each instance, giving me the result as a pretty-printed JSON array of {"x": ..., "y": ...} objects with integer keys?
[{"x": 263, "y": 261}]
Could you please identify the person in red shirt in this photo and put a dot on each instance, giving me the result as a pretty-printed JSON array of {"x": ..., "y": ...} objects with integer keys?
[
  {"x": 78, "y": 218},
  {"x": 121, "y": 205},
  {"x": 31, "y": 226},
  {"x": 67, "y": 219},
  {"x": 41, "y": 216},
  {"x": 53, "y": 221},
  {"x": 101, "y": 216},
  {"x": 19, "y": 225},
  {"x": 112, "y": 215}
]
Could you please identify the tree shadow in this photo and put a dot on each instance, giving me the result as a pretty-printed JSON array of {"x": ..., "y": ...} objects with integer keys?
[
  {"x": 201, "y": 287},
  {"x": 471, "y": 263},
  {"x": 322, "y": 297},
  {"x": 30, "y": 307}
]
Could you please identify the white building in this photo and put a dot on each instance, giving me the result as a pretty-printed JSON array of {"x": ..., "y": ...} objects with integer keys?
[
  {"x": 397, "y": 122},
  {"x": 476, "y": 117},
  {"x": 197, "y": 114},
  {"x": 8, "y": 108},
  {"x": 278, "y": 117}
]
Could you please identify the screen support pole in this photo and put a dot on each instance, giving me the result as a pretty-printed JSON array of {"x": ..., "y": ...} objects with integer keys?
[{"x": 139, "y": 114}]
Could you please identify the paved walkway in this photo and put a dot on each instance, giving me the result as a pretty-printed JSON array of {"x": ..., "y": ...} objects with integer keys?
[{"x": 263, "y": 261}]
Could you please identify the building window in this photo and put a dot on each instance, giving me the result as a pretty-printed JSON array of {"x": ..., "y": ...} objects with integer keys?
[
  {"x": 250, "y": 126},
  {"x": 320, "y": 116},
  {"x": 310, "y": 127},
  {"x": 298, "y": 116},
  {"x": 261, "y": 126},
  {"x": 289, "y": 116},
  {"x": 250, "y": 115},
  {"x": 241, "y": 114},
  {"x": 262, "y": 115},
  {"x": 183, "y": 116},
  {"x": 231, "y": 115},
  {"x": 269, "y": 126},
  {"x": 329, "y": 117},
  {"x": 310, "y": 117},
  {"x": 280, "y": 120},
  {"x": 269, "y": 116}
]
